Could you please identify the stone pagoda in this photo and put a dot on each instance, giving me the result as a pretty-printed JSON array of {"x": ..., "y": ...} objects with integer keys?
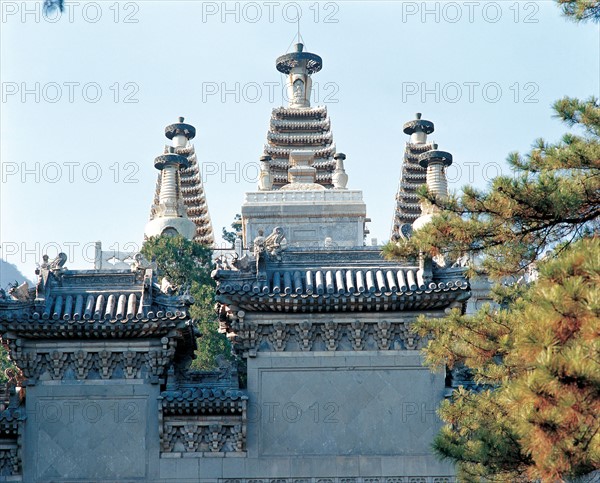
[
  {"x": 179, "y": 199},
  {"x": 302, "y": 179},
  {"x": 408, "y": 208}
]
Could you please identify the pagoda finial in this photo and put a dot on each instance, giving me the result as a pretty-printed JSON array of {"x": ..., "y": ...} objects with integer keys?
[
  {"x": 299, "y": 66},
  {"x": 180, "y": 133},
  {"x": 339, "y": 177},
  {"x": 418, "y": 129}
]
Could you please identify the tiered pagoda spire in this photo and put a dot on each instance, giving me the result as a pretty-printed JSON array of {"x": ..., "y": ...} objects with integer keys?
[
  {"x": 190, "y": 189},
  {"x": 298, "y": 126},
  {"x": 408, "y": 208}
]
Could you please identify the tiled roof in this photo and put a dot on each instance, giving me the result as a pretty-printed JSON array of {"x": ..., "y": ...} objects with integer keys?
[
  {"x": 341, "y": 289},
  {"x": 89, "y": 303},
  {"x": 197, "y": 400}
]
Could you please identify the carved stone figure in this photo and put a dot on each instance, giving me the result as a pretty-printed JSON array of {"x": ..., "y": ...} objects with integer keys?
[
  {"x": 141, "y": 263},
  {"x": 167, "y": 287},
  {"x": 19, "y": 292},
  {"x": 58, "y": 263},
  {"x": 298, "y": 90},
  {"x": 276, "y": 243}
]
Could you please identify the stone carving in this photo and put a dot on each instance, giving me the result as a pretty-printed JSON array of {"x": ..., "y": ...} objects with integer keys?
[
  {"x": 141, "y": 263},
  {"x": 56, "y": 361},
  {"x": 384, "y": 334},
  {"x": 339, "y": 178},
  {"x": 259, "y": 250},
  {"x": 279, "y": 336},
  {"x": 87, "y": 364},
  {"x": 276, "y": 243},
  {"x": 357, "y": 335},
  {"x": 199, "y": 435},
  {"x": 462, "y": 261},
  {"x": 265, "y": 178},
  {"x": 9, "y": 461},
  {"x": 305, "y": 332},
  {"x": 19, "y": 292},
  {"x": 57, "y": 265},
  {"x": 389, "y": 479},
  {"x": 247, "y": 337},
  {"x": 83, "y": 362},
  {"x": 331, "y": 335}
]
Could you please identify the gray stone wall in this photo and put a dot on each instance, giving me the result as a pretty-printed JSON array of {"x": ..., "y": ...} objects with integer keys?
[
  {"x": 91, "y": 431},
  {"x": 332, "y": 417}
]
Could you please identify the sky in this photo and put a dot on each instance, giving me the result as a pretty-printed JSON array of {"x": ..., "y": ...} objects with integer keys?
[{"x": 86, "y": 96}]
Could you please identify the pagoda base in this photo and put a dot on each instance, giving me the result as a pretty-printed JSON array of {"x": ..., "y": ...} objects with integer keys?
[{"x": 311, "y": 218}]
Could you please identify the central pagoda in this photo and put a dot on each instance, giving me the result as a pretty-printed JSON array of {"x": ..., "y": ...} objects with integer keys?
[{"x": 302, "y": 178}]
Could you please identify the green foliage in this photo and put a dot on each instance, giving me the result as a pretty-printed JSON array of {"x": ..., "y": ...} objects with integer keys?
[
  {"x": 581, "y": 10},
  {"x": 5, "y": 364},
  {"x": 536, "y": 352},
  {"x": 187, "y": 263},
  {"x": 553, "y": 197},
  {"x": 539, "y": 358},
  {"x": 230, "y": 236}
]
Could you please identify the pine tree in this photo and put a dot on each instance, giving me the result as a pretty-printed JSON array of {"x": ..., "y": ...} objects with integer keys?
[
  {"x": 188, "y": 263},
  {"x": 535, "y": 354}
]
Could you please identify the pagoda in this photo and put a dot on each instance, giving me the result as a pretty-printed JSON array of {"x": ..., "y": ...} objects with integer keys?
[
  {"x": 185, "y": 188},
  {"x": 302, "y": 179},
  {"x": 413, "y": 175},
  {"x": 298, "y": 126}
]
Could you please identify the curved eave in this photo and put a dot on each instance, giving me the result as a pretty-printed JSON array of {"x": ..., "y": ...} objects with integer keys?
[
  {"x": 35, "y": 328},
  {"x": 431, "y": 299}
]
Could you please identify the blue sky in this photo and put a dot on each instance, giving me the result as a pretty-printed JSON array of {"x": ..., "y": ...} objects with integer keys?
[{"x": 86, "y": 97}]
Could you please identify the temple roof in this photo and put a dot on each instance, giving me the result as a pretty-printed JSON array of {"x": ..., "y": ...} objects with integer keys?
[
  {"x": 95, "y": 304},
  {"x": 340, "y": 280},
  {"x": 199, "y": 400}
]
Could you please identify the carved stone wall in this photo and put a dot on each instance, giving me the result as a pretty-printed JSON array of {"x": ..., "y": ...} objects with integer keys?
[
  {"x": 91, "y": 360},
  {"x": 250, "y": 334},
  {"x": 203, "y": 434}
]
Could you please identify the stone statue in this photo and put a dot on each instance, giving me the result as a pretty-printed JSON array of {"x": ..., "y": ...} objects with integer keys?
[
  {"x": 167, "y": 287},
  {"x": 298, "y": 90},
  {"x": 258, "y": 248},
  {"x": 276, "y": 243},
  {"x": 39, "y": 286},
  {"x": 462, "y": 261},
  {"x": 58, "y": 263},
  {"x": 141, "y": 263},
  {"x": 241, "y": 263},
  {"x": 19, "y": 292},
  {"x": 45, "y": 265}
]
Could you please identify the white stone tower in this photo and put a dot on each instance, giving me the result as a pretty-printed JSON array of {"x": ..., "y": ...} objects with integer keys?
[
  {"x": 184, "y": 185},
  {"x": 303, "y": 183}
]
